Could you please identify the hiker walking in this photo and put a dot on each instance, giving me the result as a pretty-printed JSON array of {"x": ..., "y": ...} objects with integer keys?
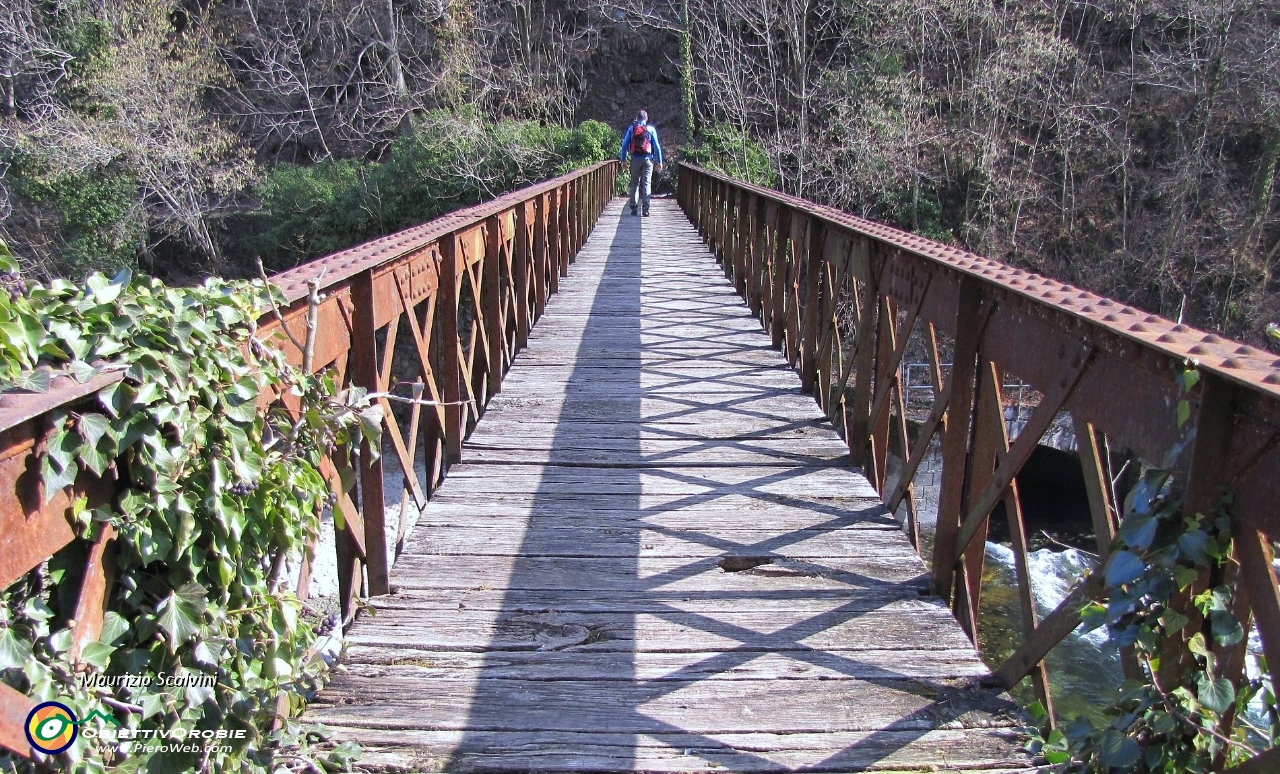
[{"x": 641, "y": 142}]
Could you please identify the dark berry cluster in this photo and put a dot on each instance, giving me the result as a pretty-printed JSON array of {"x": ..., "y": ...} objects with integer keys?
[
  {"x": 12, "y": 284},
  {"x": 243, "y": 488},
  {"x": 327, "y": 625}
]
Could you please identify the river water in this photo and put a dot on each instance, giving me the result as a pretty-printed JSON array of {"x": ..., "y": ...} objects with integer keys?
[{"x": 1083, "y": 677}]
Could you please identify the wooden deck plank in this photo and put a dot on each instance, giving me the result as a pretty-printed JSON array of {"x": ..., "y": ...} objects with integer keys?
[
  {"x": 565, "y": 602},
  {"x": 843, "y": 628},
  {"x": 692, "y": 706},
  {"x": 385, "y": 663},
  {"x": 621, "y": 542},
  {"x": 963, "y": 752}
]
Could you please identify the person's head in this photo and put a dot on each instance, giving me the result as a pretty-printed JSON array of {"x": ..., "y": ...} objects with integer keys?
[{"x": 642, "y": 117}]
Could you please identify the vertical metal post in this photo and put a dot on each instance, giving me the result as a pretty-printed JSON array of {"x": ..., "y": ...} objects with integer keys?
[
  {"x": 814, "y": 263},
  {"x": 365, "y": 374},
  {"x": 491, "y": 299},
  {"x": 522, "y": 263},
  {"x": 450, "y": 356},
  {"x": 955, "y": 441},
  {"x": 778, "y": 276}
]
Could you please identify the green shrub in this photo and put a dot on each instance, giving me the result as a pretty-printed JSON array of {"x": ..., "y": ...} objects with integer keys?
[
  {"x": 216, "y": 493},
  {"x": 306, "y": 211},
  {"x": 920, "y": 214},
  {"x": 592, "y": 141},
  {"x": 727, "y": 149},
  {"x": 98, "y": 222},
  {"x": 447, "y": 162}
]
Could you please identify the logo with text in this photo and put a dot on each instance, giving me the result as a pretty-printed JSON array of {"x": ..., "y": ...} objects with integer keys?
[{"x": 52, "y": 727}]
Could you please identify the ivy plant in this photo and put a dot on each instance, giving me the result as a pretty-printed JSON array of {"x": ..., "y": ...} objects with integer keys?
[
  {"x": 219, "y": 494},
  {"x": 1177, "y": 719}
]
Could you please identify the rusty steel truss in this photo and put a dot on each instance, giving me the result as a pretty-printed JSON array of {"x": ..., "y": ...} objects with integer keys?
[
  {"x": 460, "y": 293},
  {"x": 1113, "y": 368}
]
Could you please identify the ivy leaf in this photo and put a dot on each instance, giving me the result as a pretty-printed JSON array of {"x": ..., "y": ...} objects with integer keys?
[
  {"x": 1226, "y": 629},
  {"x": 1195, "y": 546},
  {"x": 1216, "y": 694},
  {"x": 371, "y": 425},
  {"x": 82, "y": 371},
  {"x": 104, "y": 290},
  {"x": 34, "y": 381},
  {"x": 117, "y": 399},
  {"x": 97, "y": 653},
  {"x": 1184, "y": 576},
  {"x": 60, "y": 641},
  {"x": 55, "y": 479},
  {"x": 62, "y": 448},
  {"x": 94, "y": 460},
  {"x": 1173, "y": 621},
  {"x": 1124, "y": 567},
  {"x": 1145, "y": 493},
  {"x": 1138, "y": 531},
  {"x": 114, "y": 626},
  {"x": 238, "y": 410},
  {"x": 14, "y": 652},
  {"x": 1118, "y": 751},
  {"x": 179, "y": 614},
  {"x": 152, "y": 704},
  {"x": 92, "y": 427}
]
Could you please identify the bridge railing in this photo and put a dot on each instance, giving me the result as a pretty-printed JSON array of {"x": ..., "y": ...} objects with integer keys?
[
  {"x": 846, "y": 298},
  {"x": 436, "y": 313}
]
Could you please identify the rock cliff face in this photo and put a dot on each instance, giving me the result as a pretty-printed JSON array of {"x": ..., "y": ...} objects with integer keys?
[{"x": 630, "y": 70}]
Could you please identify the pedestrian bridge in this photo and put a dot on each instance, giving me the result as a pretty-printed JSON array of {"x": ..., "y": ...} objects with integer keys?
[
  {"x": 657, "y": 508},
  {"x": 655, "y": 555}
]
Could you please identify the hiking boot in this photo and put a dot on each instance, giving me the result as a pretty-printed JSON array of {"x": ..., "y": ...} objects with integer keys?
[
  {"x": 633, "y": 212},
  {"x": 646, "y": 213}
]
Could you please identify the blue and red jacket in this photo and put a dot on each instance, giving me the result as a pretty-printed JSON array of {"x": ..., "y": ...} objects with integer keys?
[{"x": 656, "y": 155}]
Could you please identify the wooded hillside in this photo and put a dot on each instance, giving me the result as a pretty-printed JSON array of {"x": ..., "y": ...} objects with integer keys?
[{"x": 1130, "y": 147}]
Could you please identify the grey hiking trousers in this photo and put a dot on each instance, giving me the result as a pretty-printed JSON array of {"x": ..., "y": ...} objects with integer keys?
[{"x": 641, "y": 181}]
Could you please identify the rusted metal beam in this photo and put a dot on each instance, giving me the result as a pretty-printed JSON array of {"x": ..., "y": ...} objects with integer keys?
[
  {"x": 14, "y": 709},
  {"x": 95, "y": 586},
  {"x": 450, "y": 357},
  {"x": 32, "y": 526},
  {"x": 364, "y": 372},
  {"x": 814, "y": 263},
  {"x": 970, "y": 322},
  {"x": 1053, "y": 629},
  {"x": 1074, "y": 364}
]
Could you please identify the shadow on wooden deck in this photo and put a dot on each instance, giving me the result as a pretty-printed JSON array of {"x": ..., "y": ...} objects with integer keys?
[{"x": 563, "y": 605}]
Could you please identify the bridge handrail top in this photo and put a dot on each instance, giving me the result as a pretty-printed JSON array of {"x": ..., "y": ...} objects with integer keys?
[{"x": 1232, "y": 360}]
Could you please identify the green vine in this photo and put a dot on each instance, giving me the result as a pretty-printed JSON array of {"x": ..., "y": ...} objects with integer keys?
[
  {"x": 219, "y": 493},
  {"x": 1188, "y": 719}
]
